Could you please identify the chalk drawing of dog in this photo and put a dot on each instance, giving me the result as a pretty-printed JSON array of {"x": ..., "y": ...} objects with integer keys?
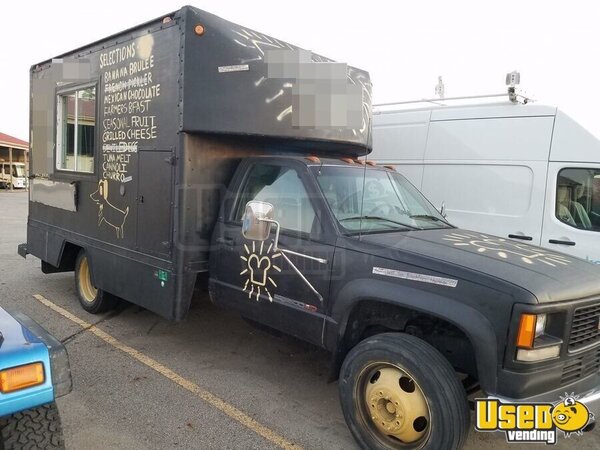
[{"x": 107, "y": 212}]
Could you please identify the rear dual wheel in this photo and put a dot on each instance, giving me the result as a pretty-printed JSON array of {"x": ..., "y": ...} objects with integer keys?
[
  {"x": 398, "y": 392},
  {"x": 92, "y": 299}
]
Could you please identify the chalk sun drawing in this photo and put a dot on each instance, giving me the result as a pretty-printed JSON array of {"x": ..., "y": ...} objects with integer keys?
[
  {"x": 260, "y": 43},
  {"x": 506, "y": 249},
  {"x": 257, "y": 264}
]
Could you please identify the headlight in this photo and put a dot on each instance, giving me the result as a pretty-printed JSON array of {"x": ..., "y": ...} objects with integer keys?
[
  {"x": 532, "y": 328},
  {"x": 538, "y": 354},
  {"x": 540, "y": 324}
]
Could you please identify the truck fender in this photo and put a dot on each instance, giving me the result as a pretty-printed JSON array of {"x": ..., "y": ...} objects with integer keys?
[
  {"x": 60, "y": 256},
  {"x": 471, "y": 322}
]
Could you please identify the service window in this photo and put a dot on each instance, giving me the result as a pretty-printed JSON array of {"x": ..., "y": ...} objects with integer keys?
[
  {"x": 283, "y": 188},
  {"x": 578, "y": 198},
  {"x": 76, "y": 130}
]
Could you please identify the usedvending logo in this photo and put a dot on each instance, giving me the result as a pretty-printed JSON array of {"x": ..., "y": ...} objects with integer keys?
[{"x": 533, "y": 422}]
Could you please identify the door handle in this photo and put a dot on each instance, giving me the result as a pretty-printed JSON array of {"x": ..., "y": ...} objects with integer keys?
[
  {"x": 226, "y": 241},
  {"x": 520, "y": 236},
  {"x": 559, "y": 242}
]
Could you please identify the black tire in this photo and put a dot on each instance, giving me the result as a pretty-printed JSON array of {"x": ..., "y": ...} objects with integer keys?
[
  {"x": 36, "y": 428},
  {"x": 444, "y": 395},
  {"x": 93, "y": 300}
]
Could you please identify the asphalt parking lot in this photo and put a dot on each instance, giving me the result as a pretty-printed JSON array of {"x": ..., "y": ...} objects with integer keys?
[{"x": 211, "y": 381}]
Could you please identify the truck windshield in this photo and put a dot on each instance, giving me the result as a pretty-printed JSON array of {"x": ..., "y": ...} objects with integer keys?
[{"x": 376, "y": 200}]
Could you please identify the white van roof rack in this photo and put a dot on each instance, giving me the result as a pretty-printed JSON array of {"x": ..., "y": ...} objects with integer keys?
[
  {"x": 440, "y": 101},
  {"x": 514, "y": 97},
  {"x": 512, "y": 80}
]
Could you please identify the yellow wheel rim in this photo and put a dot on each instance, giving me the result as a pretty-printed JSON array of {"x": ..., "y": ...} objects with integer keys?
[
  {"x": 88, "y": 290},
  {"x": 394, "y": 405}
]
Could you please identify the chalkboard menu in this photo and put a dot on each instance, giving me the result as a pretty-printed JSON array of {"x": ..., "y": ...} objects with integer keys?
[{"x": 138, "y": 90}]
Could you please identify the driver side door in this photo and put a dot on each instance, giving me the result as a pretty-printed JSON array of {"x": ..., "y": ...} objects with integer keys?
[{"x": 260, "y": 280}]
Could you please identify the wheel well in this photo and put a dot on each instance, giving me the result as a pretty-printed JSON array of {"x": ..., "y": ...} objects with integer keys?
[
  {"x": 67, "y": 260},
  {"x": 373, "y": 317}
]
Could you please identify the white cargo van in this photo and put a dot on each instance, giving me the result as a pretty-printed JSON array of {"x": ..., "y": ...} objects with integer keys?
[
  {"x": 523, "y": 171},
  {"x": 18, "y": 176}
]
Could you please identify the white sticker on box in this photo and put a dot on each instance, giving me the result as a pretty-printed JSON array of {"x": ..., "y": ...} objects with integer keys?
[{"x": 236, "y": 68}]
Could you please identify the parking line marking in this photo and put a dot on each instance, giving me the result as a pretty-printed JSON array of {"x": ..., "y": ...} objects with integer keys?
[{"x": 218, "y": 403}]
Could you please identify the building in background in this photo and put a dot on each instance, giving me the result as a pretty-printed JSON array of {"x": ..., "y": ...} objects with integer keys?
[{"x": 14, "y": 150}]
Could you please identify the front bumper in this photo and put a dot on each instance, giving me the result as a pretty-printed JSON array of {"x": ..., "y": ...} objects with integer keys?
[
  {"x": 590, "y": 398},
  {"x": 592, "y": 401},
  {"x": 22, "y": 250}
]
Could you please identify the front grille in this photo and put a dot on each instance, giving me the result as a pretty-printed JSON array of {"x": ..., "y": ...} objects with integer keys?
[
  {"x": 581, "y": 367},
  {"x": 584, "y": 329}
]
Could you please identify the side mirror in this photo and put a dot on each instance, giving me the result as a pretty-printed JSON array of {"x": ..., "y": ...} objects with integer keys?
[
  {"x": 443, "y": 209},
  {"x": 256, "y": 222}
]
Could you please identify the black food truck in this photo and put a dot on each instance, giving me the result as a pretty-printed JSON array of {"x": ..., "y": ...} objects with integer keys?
[{"x": 190, "y": 144}]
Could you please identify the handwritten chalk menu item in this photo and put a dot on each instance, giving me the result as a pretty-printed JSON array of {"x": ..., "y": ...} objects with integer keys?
[
  {"x": 135, "y": 77},
  {"x": 128, "y": 91}
]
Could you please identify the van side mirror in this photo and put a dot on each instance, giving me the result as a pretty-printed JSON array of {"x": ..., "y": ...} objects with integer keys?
[
  {"x": 443, "y": 209},
  {"x": 257, "y": 219}
]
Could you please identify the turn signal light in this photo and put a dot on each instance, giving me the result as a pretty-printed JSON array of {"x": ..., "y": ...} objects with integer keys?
[
  {"x": 526, "y": 333},
  {"x": 21, "y": 377}
]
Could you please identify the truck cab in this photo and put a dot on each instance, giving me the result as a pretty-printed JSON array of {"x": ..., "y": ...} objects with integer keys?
[
  {"x": 320, "y": 205},
  {"x": 353, "y": 258}
]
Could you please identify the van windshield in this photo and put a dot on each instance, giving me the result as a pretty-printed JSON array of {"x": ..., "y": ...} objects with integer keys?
[
  {"x": 18, "y": 171},
  {"x": 376, "y": 200}
]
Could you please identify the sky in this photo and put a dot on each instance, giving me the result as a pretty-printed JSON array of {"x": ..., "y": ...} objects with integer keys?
[{"x": 405, "y": 45}]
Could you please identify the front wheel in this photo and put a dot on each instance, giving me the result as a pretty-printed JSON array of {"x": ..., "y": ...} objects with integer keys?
[
  {"x": 36, "y": 428},
  {"x": 398, "y": 392},
  {"x": 92, "y": 299}
]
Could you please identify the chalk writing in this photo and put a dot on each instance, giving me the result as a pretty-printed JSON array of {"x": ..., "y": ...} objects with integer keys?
[
  {"x": 129, "y": 88},
  {"x": 117, "y": 55}
]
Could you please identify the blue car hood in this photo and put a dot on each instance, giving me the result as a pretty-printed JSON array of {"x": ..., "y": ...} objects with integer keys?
[{"x": 16, "y": 339}]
